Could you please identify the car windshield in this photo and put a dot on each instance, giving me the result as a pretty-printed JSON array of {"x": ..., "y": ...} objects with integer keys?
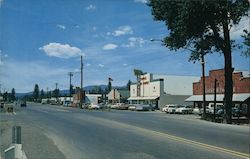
[
  {"x": 172, "y": 106},
  {"x": 124, "y": 79}
]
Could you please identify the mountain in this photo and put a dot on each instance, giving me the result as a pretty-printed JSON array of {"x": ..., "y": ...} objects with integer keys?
[{"x": 66, "y": 92}]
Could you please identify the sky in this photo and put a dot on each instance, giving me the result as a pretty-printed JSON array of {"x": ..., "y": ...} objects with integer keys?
[{"x": 42, "y": 40}]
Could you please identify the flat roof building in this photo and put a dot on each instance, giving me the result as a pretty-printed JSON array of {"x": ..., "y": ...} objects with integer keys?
[
  {"x": 159, "y": 90},
  {"x": 241, "y": 88}
]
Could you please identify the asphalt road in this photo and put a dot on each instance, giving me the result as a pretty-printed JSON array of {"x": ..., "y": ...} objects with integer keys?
[{"x": 121, "y": 134}]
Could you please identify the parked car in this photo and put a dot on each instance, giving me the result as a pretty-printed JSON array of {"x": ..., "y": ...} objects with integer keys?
[
  {"x": 220, "y": 112},
  {"x": 44, "y": 101},
  {"x": 23, "y": 104},
  {"x": 120, "y": 106},
  {"x": 197, "y": 111},
  {"x": 210, "y": 107},
  {"x": 123, "y": 106},
  {"x": 132, "y": 107},
  {"x": 2, "y": 104},
  {"x": 236, "y": 112},
  {"x": 113, "y": 106},
  {"x": 85, "y": 105},
  {"x": 164, "y": 109},
  {"x": 94, "y": 106},
  {"x": 171, "y": 108},
  {"x": 142, "y": 107},
  {"x": 186, "y": 109}
]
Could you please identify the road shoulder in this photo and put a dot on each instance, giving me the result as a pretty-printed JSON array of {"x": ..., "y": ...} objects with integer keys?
[{"x": 36, "y": 143}]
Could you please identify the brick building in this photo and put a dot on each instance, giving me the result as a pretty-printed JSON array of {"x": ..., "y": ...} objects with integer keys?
[
  {"x": 77, "y": 97},
  {"x": 241, "y": 83},
  {"x": 241, "y": 89}
]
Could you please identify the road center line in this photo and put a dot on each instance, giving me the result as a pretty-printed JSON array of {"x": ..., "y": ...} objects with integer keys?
[
  {"x": 42, "y": 111},
  {"x": 111, "y": 123}
]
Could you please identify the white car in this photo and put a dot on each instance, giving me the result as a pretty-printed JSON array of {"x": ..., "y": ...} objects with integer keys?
[
  {"x": 94, "y": 106},
  {"x": 184, "y": 109},
  {"x": 197, "y": 111},
  {"x": 164, "y": 109},
  {"x": 171, "y": 108},
  {"x": 132, "y": 107}
]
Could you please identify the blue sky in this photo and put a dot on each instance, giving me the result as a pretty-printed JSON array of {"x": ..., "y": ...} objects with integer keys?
[{"x": 42, "y": 40}]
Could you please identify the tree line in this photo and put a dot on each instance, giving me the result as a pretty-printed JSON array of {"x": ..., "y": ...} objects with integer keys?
[{"x": 9, "y": 96}]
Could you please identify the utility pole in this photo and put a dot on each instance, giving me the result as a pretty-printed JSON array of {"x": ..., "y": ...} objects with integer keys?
[
  {"x": 70, "y": 88},
  {"x": 203, "y": 87},
  {"x": 215, "y": 87},
  {"x": 56, "y": 92},
  {"x": 81, "y": 92},
  {"x": 47, "y": 93}
]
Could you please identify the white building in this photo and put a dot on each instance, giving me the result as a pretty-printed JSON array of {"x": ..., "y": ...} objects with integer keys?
[
  {"x": 159, "y": 90},
  {"x": 178, "y": 85},
  {"x": 93, "y": 98}
]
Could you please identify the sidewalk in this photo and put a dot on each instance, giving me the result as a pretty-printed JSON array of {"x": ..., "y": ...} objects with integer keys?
[{"x": 35, "y": 143}]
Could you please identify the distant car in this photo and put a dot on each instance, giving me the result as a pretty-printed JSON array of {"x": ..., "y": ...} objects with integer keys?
[
  {"x": 132, "y": 107},
  {"x": 123, "y": 106},
  {"x": 171, "y": 108},
  {"x": 210, "y": 107},
  {"x": 220, "y": 112},
  {"x": 142, "y": 107},
  {"x": 23, "y": 104},
  {"x": 197, "y": 111},
  {"x": 184, "y": 109},
  {"x": 2, "y": 104},
  {"x": 44, "y": 101},
  {"x": 116, "y": 105},
  {"x": 85, "y": 105},
  {"x": 236, "y": 112},
  {"x": 164, "y": 109},
  {"x": 94, "y": 106},
  {"x": 113, "y": 106}
]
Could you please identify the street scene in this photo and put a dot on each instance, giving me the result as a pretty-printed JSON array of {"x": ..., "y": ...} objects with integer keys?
[{"x": 136, "y": 79}]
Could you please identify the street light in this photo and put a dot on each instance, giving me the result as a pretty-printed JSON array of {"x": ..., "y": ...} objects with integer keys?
[
  {"x": 156, "y": 40},
  {"x": 203, "y": 76}
]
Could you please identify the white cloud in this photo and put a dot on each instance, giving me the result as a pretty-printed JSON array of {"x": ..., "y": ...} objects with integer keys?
[
  {"x": 237, "y": 31},
  {"x": 109, "y": 47},
  {"x": 123, "y": 30},
  {"x": 2, "y": 56},
  {"x": 124, "y": 64},
  {"x": 1, "y": 3},
  {"x": 60, "y": 26},
  {"x": 94, "y": 28},
  {"x": 88, "y": 64},
  {"x": 61, "y": 50},
  {"x": 77, "y": 26},
  {"x": 100, "y": 65},
  {"x": 90, "y": 7},
  {"x": 141, "y": 1},
  {"x": 77, "y": 70},
  {"x": 134, "y": 41}
]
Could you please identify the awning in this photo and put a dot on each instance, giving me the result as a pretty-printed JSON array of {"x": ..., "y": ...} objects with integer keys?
[
  {"x": 142, "y": 98},
  {"x": 219, "y": 97}
]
